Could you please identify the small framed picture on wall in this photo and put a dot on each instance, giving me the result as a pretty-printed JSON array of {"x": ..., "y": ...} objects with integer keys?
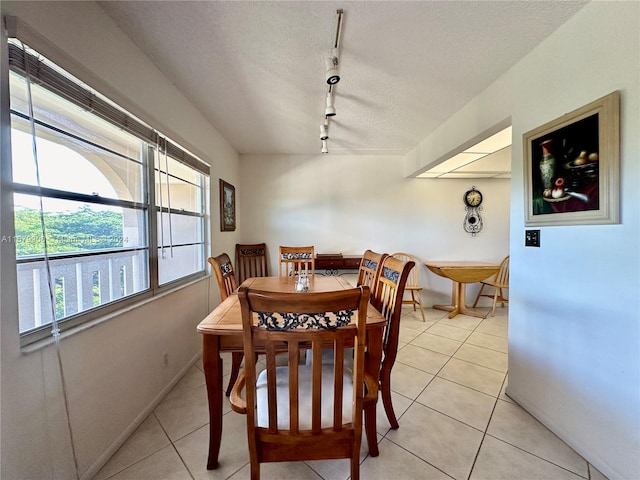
[{"x": 227, "y": 207}]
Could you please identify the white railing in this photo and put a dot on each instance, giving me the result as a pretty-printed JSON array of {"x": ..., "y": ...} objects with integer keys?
[{"x": 79, "y": 283}]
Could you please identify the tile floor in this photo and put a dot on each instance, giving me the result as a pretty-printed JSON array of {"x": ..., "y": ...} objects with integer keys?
[{"x": 455, "y": 420}]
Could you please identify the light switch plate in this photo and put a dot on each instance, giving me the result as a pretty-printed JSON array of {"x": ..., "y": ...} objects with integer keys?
[{"x": 532, "y": 238}]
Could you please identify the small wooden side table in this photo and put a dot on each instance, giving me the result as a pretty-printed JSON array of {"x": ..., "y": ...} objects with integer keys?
[{"x": 461, "y": 273}]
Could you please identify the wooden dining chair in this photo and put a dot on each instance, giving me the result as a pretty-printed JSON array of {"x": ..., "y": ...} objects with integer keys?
[
  {"x": 294, "y": 260},
  {"x": 251, "y": 261},
  {"x": 370, "y": 268},
  {"x": 498, "y": 281},
  {"x": 388, "y": 301},
  {"x": 223, "y": 268},
  {"x": 298, "y": 411},
  {"x": 413, "y": 283}
]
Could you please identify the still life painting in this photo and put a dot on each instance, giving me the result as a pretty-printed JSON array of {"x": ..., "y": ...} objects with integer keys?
[{"x": 571, "y": 167}]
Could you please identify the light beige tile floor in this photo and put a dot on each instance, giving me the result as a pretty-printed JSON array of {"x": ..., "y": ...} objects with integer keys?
[{"x": 448, "y": 392}]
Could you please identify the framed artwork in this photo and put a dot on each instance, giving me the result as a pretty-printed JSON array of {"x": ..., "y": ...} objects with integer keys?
[
  {"x": 572, "y": 167},
  {"x": 227, "y": 207}
]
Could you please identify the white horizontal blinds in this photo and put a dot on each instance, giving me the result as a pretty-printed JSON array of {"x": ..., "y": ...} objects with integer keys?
[{"x": 46, "y": 75}]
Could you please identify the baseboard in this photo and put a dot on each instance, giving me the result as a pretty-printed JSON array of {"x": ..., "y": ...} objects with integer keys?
[
  {"x": 124, "y": 436},
  {"x": 590, "y": 456}
]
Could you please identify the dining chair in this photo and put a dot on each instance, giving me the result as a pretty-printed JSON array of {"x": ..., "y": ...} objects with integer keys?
[
  {"x": 297, "y": 411},
  {"x": 223, "y": 268},
  {"x": 498, "y": 281},
  {"x": 413, "y": 283},
  {"x": 368, "y": 273},
  {"x": 251, "y": 261},
  {"x": 388, "y": 301},
  {"x": 294, "y": 260},
  {"x": 370, "y": 268}
]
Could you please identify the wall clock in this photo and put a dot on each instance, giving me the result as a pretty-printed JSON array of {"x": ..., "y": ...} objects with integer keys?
[{"x": 473, "y": 205}]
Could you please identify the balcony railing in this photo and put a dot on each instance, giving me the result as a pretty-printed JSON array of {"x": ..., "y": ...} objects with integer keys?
[{"x": 80, "y": 283}]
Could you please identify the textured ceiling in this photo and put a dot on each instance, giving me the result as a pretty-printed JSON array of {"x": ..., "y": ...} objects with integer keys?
[{"x": 256, "y": 70}]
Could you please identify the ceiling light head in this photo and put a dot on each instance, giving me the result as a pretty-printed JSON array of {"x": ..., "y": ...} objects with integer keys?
[
  {"x": 329, "y": 110},
  {"x": 325, "y": 149},
  {"x": 332, "y": 76},
  {"x": 324, "y": 132}
]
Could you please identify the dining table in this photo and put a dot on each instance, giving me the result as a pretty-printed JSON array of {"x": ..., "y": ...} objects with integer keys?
[
  {"x": 222, "y": 332},
  {"x": 461, "y": 273}
]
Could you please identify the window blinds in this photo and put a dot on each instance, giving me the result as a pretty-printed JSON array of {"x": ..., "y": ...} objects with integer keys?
[{"x": 52, "y": 79}]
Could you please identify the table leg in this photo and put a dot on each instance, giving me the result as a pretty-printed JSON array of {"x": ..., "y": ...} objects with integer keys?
[
  {"x": 373, "y": 359},
  {"x": 458, "y": 303},
  {"x": 462, "y": 305},
  {"x": 458, "y": 298},
  {"x": 212, "y": 364},
  {"x": 454, "y": 300}
]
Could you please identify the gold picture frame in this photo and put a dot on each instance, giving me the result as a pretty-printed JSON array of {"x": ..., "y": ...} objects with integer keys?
[
  {"x": 572, "y": 167},
  {"x": 227, "y": 207}
]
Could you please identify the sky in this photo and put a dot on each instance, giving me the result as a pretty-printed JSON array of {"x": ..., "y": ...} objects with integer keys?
[{"x": 59, "y": 167}]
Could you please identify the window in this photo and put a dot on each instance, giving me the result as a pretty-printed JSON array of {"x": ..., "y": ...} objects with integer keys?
[
  {"x": 180, "y": 234},
  {"x": 106, "y": 210}
]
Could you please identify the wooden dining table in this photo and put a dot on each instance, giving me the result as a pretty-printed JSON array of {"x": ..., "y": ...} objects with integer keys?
[
  {"x": 461, "y": 273},
  {"x": 222, "y": 332}
]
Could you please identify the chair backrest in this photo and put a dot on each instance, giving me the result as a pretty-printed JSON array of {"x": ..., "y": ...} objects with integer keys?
[
  {"x": 295, "y": 260},
  {"x": 388, "y": 301},
  {"x": 370, "y": 268},
  {"x": 414, "y": 274},
  {"x": 224, "y": 273},
  {"x": 251, "y": 261},
  {"x": 502, "y": 277},
  {"x": 309, "y": 405}
]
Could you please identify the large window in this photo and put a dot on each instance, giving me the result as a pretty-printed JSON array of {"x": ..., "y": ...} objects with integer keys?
[{"x": 107, "y": 210}]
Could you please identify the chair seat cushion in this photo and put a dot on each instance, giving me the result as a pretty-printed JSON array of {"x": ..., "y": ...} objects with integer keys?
[
  {"x": 327, "y": 357},
  {"x": 304, "y": 392}
]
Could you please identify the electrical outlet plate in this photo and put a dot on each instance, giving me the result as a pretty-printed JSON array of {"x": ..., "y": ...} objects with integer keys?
[{"x": 532, "y": 238}]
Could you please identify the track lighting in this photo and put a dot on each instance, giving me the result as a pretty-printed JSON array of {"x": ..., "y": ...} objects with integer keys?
[
  {"x": 333, "y": 76},
  {"x": 324, "y": 131},
  {"x": 329, "y": 110}
]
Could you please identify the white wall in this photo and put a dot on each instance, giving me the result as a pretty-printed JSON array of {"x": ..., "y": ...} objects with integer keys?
[
  {"x": 351, "y": 203},
  {"x": 574, "y": 341},
  {"x": 114, "y": 371}
]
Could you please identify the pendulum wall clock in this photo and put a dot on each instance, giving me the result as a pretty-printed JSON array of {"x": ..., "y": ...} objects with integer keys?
[{"x": 473, "y": 205}]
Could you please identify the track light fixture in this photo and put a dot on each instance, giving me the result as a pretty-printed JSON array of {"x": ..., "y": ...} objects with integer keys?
[
  {"x": 332, "y": 77},
  {"x": 330, "y": 109},
  {"x": 324, "y": 130}
]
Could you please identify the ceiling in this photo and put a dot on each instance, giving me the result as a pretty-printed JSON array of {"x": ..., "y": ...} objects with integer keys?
[{"x": 256, "y": 70}]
